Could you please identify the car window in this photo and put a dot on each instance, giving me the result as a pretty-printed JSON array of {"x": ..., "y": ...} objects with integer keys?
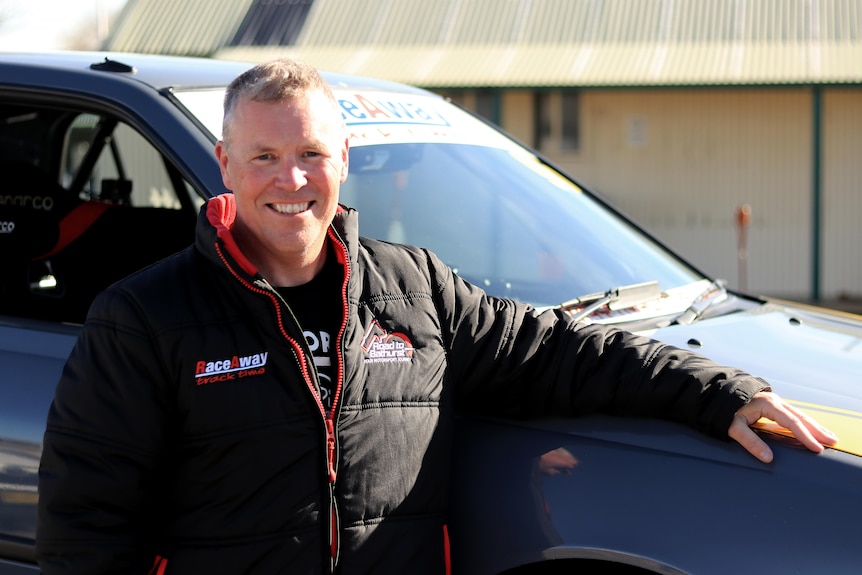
[
  {"x": 501, "y": 220},
  {"x": 85, "y": 199},
  {"x": 125, "y": 158}
]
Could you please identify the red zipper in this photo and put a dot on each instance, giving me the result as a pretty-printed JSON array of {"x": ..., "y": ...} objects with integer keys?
[
  {"x": 329, "y": 419},
  {"x": 330, "y": 449},
  {"x": 333, "y": 508},
  {"x": 339, "y": 360},
  {"x": 331, "y": 439}
]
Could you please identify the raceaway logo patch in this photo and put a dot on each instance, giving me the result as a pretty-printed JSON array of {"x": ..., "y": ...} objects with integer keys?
[
  {"x": 230, "y": 368},
  {"x": 382, "y": 346}
]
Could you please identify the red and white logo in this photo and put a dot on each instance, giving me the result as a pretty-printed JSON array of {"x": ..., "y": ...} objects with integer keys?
[
  {"x": 381, "y": 346},
  {"x": 230, "y": 368}
]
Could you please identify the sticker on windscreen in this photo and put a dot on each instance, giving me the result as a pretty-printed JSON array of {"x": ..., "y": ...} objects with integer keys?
[
  {"x": 391, "y": 118},
  {"x": 381, "y": 108}
]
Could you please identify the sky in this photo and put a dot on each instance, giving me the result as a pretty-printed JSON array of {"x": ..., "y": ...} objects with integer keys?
[{"x": 50, "y": 24}]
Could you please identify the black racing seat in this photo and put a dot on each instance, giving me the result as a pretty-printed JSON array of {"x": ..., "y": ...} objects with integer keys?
[
  {"x": 115, "y": 243},
  {"x": 31, "y": 206},
  {"x": 57, "y": 252}
]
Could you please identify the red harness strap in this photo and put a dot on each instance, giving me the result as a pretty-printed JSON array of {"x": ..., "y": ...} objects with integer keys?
[{"x": 74, "y": 224}]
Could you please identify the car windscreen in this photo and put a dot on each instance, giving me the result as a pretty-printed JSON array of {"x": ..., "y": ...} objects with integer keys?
[
  {"x": 426, "y": 173},
  {"x": 502, "y": 221}
]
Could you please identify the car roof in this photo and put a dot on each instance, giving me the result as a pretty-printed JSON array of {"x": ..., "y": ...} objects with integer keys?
[{"x": 160, "y": 71}]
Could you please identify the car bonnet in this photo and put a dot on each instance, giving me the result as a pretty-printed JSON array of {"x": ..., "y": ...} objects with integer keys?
[{"x": 811, "y": 357}]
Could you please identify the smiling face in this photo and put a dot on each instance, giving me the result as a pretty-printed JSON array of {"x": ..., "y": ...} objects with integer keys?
[{"x": 284, "y": 162}]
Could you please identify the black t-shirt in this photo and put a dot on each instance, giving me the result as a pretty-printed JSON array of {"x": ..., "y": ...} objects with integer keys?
[{"x": 317, "y": 306}]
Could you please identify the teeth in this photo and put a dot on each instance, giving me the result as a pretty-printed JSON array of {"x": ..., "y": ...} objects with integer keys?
[{"x": 291, "y": 208}]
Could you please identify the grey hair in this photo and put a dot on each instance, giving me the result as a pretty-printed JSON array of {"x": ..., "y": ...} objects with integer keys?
[{"x": 271, "y": 82}]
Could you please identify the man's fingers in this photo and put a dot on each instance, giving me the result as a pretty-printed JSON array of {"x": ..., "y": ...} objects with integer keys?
[
  {"x": 787, "y": 417},
  {"x": 741, "y": 433},
  {"x": 803, "y": 427},
  {"x": 819, "y": 433}
]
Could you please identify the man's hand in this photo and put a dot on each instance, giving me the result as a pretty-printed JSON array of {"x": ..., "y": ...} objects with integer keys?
[{"x": 768, "y": 405}]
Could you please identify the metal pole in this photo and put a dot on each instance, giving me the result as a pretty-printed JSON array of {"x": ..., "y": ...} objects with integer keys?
[
  {"x": 743, "y": 221},
  {"x": 816, "y": 189}
]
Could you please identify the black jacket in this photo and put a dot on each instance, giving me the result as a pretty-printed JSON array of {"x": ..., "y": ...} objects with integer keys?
[{"x": 187, "y": 433}]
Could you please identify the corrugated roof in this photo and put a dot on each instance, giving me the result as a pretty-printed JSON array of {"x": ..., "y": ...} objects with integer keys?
[
  {"x": 511, "y": 43},
  {"x": 586, "y": 65},
  {"x": 468, "y": 22},
  {"x": 186, "y": 27}
]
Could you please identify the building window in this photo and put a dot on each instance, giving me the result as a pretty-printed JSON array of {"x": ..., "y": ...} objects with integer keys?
[
  {"x": 556, "y": 120},
  {"x": 484, "y": 102},
  {"x": 488, "y": 104},
  {"x": 542, "y": 121},
  {"x": 272, "y": 23},
  {"x": 570, "y": 136}
]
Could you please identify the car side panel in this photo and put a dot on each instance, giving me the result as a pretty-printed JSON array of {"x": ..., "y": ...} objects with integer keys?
[
  {"x": 648, "y": 493},
  {"x": 32, "y": 355}
]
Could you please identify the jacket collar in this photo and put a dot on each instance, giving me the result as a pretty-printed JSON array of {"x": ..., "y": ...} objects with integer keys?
[{"x": 214, "y": 236}]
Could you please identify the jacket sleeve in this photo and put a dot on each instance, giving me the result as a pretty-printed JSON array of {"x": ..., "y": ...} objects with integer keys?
[
  {"x": 98, "y": 477},
  {"x": 509, "y": 360}
]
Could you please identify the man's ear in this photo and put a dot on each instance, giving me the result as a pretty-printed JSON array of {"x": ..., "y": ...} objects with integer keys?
[{"x": 222, "y": 157}]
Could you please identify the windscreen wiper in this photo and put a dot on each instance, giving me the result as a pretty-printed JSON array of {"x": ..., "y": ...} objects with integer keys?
[
  {"x": 713, "y": 294},
  {"x": 615, "y": 298}
]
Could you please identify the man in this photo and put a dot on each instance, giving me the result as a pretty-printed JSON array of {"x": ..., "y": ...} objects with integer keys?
[{"x": 194, "y": 431}]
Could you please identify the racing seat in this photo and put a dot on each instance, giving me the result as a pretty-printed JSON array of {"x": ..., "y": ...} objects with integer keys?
[
  {"x": 31, "y": 205},
  {"x": 116, "y": 240},
  {"x": 58, "y": 252}
]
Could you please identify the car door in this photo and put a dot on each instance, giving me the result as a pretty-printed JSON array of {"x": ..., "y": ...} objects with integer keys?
[{"x": 85, "y": 199}]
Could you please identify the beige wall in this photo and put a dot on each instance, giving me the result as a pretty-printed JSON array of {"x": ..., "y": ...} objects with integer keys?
[
  {"x": 842, "y": 193},
  {"x": 680, "y": 162},
  {"x": 516, "y": 111}
]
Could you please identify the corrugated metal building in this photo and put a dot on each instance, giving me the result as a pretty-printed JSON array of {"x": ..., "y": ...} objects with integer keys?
[{"x": 677, "y": 111}]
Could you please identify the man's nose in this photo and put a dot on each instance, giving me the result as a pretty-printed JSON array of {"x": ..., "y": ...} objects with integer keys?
[{"x": 292, "y": 175}]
